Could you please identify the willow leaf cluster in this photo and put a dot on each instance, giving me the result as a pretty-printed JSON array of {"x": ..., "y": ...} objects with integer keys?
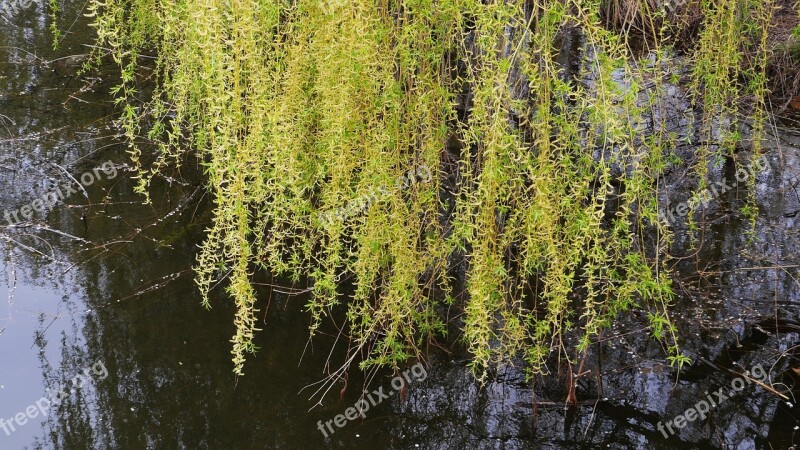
[{"x": 545, "y": 164}]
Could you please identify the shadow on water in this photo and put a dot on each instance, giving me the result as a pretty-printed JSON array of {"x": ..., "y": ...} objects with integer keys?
[{"x": 100, "y": 278}]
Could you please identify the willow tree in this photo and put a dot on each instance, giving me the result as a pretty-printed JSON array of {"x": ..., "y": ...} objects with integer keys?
[{"x": 316, "y": 121}]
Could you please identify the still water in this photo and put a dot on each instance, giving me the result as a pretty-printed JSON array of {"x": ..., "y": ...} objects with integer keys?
[{"x": 104, "y": 343}]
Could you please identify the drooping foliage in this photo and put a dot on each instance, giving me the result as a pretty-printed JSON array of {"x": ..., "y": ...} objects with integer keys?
[{"x": 392, "y": 142}]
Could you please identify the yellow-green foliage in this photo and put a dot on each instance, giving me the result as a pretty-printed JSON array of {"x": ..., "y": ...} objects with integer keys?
[{"x": 299, "y": 107}]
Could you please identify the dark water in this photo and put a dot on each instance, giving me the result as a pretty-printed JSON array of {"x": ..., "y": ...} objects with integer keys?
[{"x": 99, "y": 281}]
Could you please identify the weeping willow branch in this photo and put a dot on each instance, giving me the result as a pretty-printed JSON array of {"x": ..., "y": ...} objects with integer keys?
[{"x": 300, "y": 107}]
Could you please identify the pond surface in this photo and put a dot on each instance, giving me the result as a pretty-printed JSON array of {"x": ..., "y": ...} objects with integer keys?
[{"x": 101, "y": 285}]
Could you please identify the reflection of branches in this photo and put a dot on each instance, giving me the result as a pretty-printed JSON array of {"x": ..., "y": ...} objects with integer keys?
[
  {"x": 41, "y": 334},
  {"x": 104, "y": 248},
  {"x": 61, "y": 233},
  {"x": 3, "y": 120},
  {"x": 72, "y": 416},
  {"x": 9, "y": 239},
  {"x": 153, "y": 286},
  {"x": 110, "y": 246},
  {"x": 33, "y": 137},
  {"x": 12, "y": 262},
  {"x": 69, "y": 175},
  {"x": 13, "y": 265}
]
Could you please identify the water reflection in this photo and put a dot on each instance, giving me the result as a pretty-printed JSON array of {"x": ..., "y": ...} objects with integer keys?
[{"x": 102, "y": 278}]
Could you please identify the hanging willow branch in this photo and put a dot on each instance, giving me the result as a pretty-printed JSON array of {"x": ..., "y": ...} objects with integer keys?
[{"x": 300, "y": 107}]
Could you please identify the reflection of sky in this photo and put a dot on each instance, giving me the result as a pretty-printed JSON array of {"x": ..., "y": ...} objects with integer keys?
[
  {"x": 41, "y": 122},
  {"x": 21, "y": 376}
]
